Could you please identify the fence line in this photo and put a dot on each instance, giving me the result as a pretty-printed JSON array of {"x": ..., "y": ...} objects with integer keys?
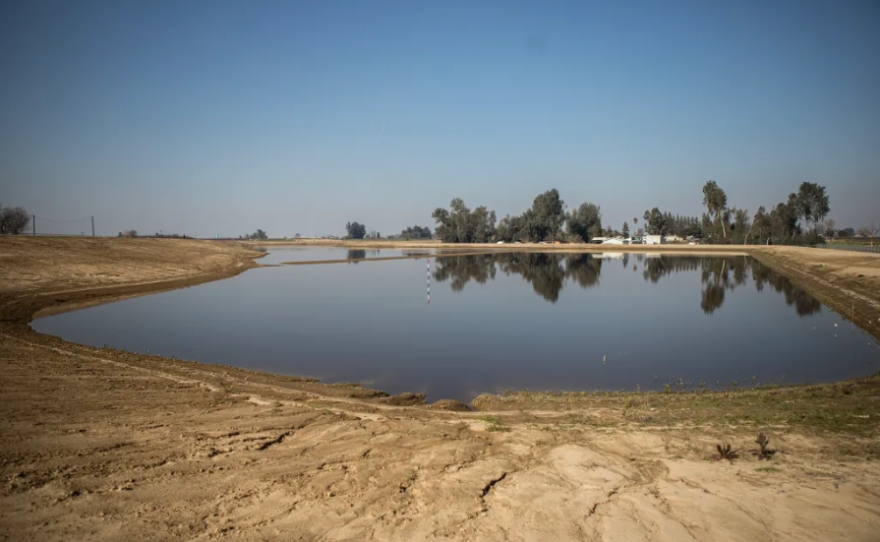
[{"x": 853, "y": 248}]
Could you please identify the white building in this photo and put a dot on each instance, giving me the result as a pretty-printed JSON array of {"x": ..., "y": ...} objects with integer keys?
[{"x": 654, "y": 240}]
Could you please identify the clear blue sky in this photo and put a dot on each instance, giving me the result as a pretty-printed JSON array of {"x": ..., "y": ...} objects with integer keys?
[{"x": 223, "y": 117}]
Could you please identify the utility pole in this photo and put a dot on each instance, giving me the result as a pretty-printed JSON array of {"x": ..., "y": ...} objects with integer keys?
[
  {"x": 34, "y": 224},
  {"x": 93, "y": 225}
]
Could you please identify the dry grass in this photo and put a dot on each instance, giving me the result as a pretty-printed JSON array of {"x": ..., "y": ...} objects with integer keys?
[{"x": 851, "y": 407}]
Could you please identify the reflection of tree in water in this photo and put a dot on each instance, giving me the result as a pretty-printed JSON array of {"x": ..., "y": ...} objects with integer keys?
[
  {"x": 545, "y": 272},
  {"x": 360, "y": 254},
  {"x": 804, "y": 303},
  {"x": 720, "y": 274},
  {"x": 655, "y": 268},
  {"x": 463, "y": 269},
  {"x": 715, "y": 274},
  {"x": 584, "y": 269}
]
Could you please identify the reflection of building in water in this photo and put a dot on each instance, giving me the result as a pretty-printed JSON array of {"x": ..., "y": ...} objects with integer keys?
[{"x": 608, "y": 256}]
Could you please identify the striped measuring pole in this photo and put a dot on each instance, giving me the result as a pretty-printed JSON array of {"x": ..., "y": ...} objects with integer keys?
[{"x": 428, "y": 268}]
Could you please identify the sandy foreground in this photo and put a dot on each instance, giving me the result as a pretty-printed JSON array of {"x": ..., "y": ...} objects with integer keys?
[{"x": 99, "y": 444}]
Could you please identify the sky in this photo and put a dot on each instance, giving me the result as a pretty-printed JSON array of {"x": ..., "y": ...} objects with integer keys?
[{"x": 222, "y": 117}]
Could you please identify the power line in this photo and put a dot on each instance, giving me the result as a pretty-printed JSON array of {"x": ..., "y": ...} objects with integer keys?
[{"x": 63, "y": 221}]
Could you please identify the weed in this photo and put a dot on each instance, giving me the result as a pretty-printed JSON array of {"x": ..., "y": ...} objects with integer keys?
[
  {"x": 767, "y": 469},
  {"x": 496, "y": 424},
  {"x": 724, "y": 452},
  {"x": 763, "y": 442}
]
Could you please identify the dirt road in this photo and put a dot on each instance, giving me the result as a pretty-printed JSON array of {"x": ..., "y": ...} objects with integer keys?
[{"x": 97, "y": 444}]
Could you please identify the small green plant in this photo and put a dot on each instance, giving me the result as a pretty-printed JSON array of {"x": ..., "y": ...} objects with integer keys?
[
  {"x": 495, "y": 424},
  {"x": 764, "y": 452},
  {"x": 724, "y": 452}
]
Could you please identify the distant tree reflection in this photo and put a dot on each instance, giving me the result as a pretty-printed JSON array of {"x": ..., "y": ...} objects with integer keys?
[
  {"x": 804, "y": 303},
  {"x": 545, "y": 272},
  {"x": 548, "y": 273},
  {"x": 463, "y": 269}
]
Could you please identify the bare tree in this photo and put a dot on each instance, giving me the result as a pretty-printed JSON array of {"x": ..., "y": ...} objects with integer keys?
[{"x": 14, "y": 220}]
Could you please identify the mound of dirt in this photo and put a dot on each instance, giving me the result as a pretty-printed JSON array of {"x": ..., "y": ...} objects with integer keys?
[{"x": 450, "y": 404}]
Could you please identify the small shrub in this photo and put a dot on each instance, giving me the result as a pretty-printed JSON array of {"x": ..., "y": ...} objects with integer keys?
[
  {"x": 724, "y": 452},
  {"x": 764, "y": 452}
]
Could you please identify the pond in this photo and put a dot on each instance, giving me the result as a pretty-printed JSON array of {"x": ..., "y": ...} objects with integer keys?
[{"x": 539, "y": 321}]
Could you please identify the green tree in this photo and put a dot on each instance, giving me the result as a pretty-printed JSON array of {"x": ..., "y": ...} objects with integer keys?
[
  {"x": 761, "y": 224},
  {"x": 510, "y": 228},
  {"x": 741, "y": 225},
  {"x": 416, "y": 232},
  {"x": 813, "y": 203},
  {"x": 356, "y": 230},
  {"x": 460, "y": 225},
  {"x": 625, "y": 228},
  {"x": 585, "y": 221},
  {"x": 655, "y": 222},
  {"x": 715, "y": 201},
  {"x": 548, "y": 214},
  {"x": 784, "y": 221}
]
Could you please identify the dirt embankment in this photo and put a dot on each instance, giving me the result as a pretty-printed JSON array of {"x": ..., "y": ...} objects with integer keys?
[{"x": 97, "y": 444}]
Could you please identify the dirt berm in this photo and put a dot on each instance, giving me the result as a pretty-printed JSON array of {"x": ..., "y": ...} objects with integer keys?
[{"x": 100, "y": 445}]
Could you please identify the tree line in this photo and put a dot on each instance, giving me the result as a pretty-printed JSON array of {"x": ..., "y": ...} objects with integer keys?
[
  {"x": 543, "y": 221},
  {"x": 547, "y": 220}
]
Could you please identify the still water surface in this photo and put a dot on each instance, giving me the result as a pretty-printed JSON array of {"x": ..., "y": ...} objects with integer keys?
[{"x": 503, "y": 321}]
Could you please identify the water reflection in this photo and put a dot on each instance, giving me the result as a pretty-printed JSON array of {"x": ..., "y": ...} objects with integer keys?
[
  {"x": 362, "y": 254},
  {"x": 545, "y": 272},
  {"x": 548, "y": 273}
]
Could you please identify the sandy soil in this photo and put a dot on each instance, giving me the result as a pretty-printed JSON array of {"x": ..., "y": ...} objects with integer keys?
[{"x": 97, "y": 444}]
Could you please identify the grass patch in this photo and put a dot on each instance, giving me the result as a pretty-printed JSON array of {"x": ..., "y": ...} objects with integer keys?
[
  {"x": 851, "y": 407},
  {"x": 318, "y": 405},
  {"x": 767, "y": 469},
  {"x": 495, "y": 423}
]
